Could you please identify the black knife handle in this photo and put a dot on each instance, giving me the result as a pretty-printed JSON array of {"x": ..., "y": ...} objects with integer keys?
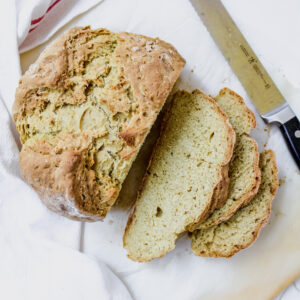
[{"x": 291, "y": 132}]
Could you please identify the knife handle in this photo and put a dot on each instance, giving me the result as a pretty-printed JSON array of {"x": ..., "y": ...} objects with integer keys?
[{"x": 291, "y": 132}]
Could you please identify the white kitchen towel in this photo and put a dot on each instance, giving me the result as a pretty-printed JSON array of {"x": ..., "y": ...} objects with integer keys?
[
  {"x": 39, "y": 257},
  {"x": 39, "y": 251},
  {"x": 26, "y": 24}
]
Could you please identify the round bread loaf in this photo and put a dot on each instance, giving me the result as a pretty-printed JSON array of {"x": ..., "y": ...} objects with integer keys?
[{"x": 83, "y": 111}]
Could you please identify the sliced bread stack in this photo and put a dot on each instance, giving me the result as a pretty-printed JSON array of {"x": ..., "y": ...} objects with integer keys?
[
  {"x": 175, "y": 197},
  {"x": 244, "y": 171},
  {"x": 232, "y": 228},
  {"x": 241, "y": 230},
  {"x": 187, "y": 164}
]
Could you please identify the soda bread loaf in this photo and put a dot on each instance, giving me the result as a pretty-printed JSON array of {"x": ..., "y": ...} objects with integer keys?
[
  {"x": 83, "y": 111},
  {"x": 241, "y": 230},
  {"x": 196, "y": 143},
  {"x": 244, "y": 170}
]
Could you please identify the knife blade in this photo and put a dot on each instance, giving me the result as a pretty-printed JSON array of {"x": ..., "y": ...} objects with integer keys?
[{"x": 258, "y": 84}]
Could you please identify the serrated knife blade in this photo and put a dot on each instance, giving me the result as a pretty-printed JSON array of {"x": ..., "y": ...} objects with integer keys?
[{"x": 260, "y": 87}]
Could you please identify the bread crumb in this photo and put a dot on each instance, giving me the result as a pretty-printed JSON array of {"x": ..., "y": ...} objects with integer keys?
[
  {"x": 282, "y": 181},
  {"x": 279, "y": 213},
  {"x": 267, "y": 129},
  {"x": 225, "y": 80},
  {"x": 149, "y": 46}
]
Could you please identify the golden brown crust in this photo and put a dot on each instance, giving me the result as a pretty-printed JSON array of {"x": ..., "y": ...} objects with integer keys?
[
  {"x": 56, "y": 174},
  {"x": 222, "y": 189},
  {"x": 255, "y": 186},
  {"x": 220, "y": 193},
  {"x": 152, "y": 70},
  {"x": 149, "y": 66}
]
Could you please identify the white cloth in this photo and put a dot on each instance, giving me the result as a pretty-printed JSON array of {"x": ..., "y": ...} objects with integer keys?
[
  {"x": 39, "y": 257},
  {"x": 39, "y": 251}
]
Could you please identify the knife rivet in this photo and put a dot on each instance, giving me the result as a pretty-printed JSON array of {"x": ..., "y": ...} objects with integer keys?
[{"x": 297, "y": 134}]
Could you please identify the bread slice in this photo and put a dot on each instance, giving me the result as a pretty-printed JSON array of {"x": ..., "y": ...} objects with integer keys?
[
  {"x": 83, "y": 111},
  {"x": 239, "y": 232},
  {"x": 196, "y": 142},
  {"x": 244, "y": 170}
]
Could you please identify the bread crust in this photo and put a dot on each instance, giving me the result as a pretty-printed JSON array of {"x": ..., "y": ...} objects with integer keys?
[
  {"x": 150, "y": 66},
  {"x": 220, "y": 194},
  {"x": 222, "y": 189}
]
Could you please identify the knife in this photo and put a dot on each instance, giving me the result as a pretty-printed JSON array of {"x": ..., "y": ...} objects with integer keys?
[{"x": 267, "y": 99}]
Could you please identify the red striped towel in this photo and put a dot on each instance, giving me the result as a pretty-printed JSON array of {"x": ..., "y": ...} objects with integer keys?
[{"x": 39, "y": 20}]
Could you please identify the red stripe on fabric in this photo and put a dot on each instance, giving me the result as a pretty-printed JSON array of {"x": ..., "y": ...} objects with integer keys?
[
  {"x": 31, "y": 29},
  {"x": 52, "y": 5},
  {"x": 35, "y": 21}
]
